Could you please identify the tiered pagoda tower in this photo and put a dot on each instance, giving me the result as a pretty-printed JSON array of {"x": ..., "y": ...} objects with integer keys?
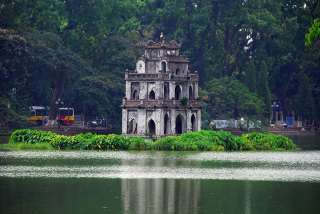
[{"x": 161, "y": 94}]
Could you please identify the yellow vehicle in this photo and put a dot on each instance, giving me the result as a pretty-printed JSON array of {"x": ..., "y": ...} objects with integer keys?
[
  {"x": 66, "y": 116},
  {"x": 39, "y": 114}
]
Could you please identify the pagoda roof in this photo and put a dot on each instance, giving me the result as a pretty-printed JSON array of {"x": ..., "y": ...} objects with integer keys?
[
  {"x": 177, "y": 59},
  {"x": 162, "y": 44}
]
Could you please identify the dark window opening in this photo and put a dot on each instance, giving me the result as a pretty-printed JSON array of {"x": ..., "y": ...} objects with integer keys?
[
  {"x": 179, "y": 124},
  {"x": 178, "y": 92},
  {"x": 193, "y": 118},
  {"x": 178, "y": 71},
  {"x": 152, "y": 95},
  {"x": 152, "y": 127},
  {"x": 132, "y": 129},
  {"x": 166, "y": 124},
  {"x": 40, "y": 112},
  {"x": 165, "y": 92},
  {"x": 190, "y": 93},
  {"x": 164, "y": 67},
  {"x": 65, "y": 112},
  {"x": 135, "y": 95}
]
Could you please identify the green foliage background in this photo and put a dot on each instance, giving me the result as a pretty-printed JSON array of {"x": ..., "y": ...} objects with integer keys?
[{"x": 245, "y": 51}]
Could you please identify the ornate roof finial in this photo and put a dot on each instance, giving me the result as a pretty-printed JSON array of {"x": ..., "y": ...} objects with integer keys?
[
  {"x": 162, "y": 38},
  {"x": 180, "y": 42}
]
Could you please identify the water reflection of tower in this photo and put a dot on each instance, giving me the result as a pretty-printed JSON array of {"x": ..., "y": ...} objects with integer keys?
[
  {"x": 247, "y": 197},
  {"x": 160, "y": 195}
]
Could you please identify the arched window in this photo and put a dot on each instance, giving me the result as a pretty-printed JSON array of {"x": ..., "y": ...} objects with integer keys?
[
  {"x": 164, "y": 67},
  {"x": 178, "y": 71},
  {"x": 178, "y": 92},
  {"x": 179, "y": 124},
  {"x": 166, "y": 124},
  {"x": 152, "y": 95},
  {"x": 190, "y": 93},
  {"x": 193, "y": 119},
  {"x": 132, "y": 128},
  {"x": 165, "y": 92},
  {"x": 135, "y": 95},
  {"x": 152, "y": 127}
]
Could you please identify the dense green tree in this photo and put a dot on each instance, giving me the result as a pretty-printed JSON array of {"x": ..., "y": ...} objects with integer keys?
[
  {"x": 314, "y": 32},
  {"x": 100, "y": 94},
  {"x": 304, "y": 103},
  {"x": 229, "y": 98},
  {"x": 263, "y": 90},
  {"x": 36, "y": 64},
  {"x": 260, "y": 44},
  {"x": 250, "y": 77}
]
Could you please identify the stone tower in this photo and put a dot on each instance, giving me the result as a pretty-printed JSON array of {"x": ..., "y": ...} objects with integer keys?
[{"x": 156, "y": 93}]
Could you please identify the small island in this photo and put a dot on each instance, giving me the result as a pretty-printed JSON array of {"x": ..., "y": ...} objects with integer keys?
[{"x": 205, "y": 140}]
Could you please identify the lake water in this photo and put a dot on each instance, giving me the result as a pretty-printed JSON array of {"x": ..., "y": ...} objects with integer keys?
[{"x": 160, "y": 182}]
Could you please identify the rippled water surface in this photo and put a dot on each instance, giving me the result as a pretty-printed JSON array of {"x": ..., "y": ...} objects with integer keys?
[
  {"x": 260, "y": 166},
  {"x": 159, "y": 182}
]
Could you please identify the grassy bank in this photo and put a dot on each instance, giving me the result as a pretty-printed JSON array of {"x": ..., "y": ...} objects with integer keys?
[
  {"x": 24, "y": 146},
  {"x": 204, "y": 140}
]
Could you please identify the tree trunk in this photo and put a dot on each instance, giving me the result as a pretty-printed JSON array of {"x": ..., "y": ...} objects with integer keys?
[{"x": 59, "y": 86}]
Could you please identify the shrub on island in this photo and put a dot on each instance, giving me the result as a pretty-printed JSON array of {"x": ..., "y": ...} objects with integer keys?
[
  {"x": 198, "y": 141},
  {"x": 205, "y": 140},
  {"x": 260, "y": 141}
]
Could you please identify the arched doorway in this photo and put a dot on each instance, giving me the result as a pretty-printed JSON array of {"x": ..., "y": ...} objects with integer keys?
[
  {"x": 152, "y": 95},
  {"x": 164, "y": 67},
  {"x": 178, "y": 92},
  {"x": 132, "y": 128},
  {"x": 193, "y": 119},
  {"x": 166, "y": 124},
  {"x": 135, "y": 95},
  {"x": 190, "y": 93},
  {"x": 179, "y": 124},
  {"x": 152, "y": 127}
]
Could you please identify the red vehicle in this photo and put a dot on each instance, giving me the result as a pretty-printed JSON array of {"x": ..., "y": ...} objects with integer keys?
[{"x": 66, "y": 116}]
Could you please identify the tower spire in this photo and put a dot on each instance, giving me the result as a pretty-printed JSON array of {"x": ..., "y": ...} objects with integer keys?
[{"x": 161, "y": 37}]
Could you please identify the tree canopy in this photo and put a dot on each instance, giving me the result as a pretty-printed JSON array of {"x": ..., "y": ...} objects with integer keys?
[{"x": 248, "y": 53}]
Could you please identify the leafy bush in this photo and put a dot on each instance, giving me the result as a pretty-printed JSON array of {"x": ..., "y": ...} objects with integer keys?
[
  {"x": 205, "y": 140},
  {"x": 31, "y": 136},
  {"x": 259, "y": 141},
  {"x": 109, "y": 142},
  {"x": 184, "y": 101},
  {"x": 138, "y": 143}
]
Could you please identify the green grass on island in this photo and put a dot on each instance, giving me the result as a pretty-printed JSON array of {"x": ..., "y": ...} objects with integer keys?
[
  {"x": 205, "y": 140},
  {"x": 26, "y": 146}
]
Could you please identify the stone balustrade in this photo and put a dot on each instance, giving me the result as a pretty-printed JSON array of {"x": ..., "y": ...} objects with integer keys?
[
  {"x": 160, "y": 76},
  {"x": 159, "y": 102}
]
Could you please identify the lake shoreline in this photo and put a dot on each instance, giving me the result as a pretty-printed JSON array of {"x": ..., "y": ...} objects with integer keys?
[
  {"x": 205, "y": 140},
  {"x": 281, "y": 132},
  {"x": 71, "y": 131},
  {"x": 42, "y": 147}
]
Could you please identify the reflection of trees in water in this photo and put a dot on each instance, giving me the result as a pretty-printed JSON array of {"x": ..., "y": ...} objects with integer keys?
[{"x": 160, "y": 195}]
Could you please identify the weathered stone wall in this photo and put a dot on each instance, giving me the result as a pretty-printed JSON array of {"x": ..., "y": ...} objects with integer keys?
[
  {"x": 124, "y": 121},
  {"x": 183, "y": 68},
  {"x": 141, "y": 67},
  {"x": 143, "y": 90},
  {"x": 135, "y": 86},
  {"x": 142, "y": 118},
  {"x": 142, "y": 109}
]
